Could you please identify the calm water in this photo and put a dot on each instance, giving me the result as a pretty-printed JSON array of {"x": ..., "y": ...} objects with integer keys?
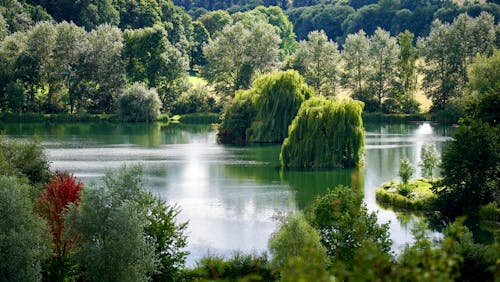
[{"x": 229, "y": 195}]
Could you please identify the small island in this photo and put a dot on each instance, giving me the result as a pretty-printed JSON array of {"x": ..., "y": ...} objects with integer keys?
[{"x": 414, "y": 196}]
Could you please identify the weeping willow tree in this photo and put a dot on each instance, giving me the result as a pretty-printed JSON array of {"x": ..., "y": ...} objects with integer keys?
[
  {"x": 280, "y": 97},
  {"x": 263, "y": 113},
  {"x": 325, "y": 134},
  {"x": 237, "y": 118}
]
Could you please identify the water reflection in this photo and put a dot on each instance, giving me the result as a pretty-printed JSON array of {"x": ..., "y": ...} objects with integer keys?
[{"x": 229, "y": 194}]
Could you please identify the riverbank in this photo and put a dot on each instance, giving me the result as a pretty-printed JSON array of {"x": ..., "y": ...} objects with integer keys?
[{"x": 203, "y": 118}]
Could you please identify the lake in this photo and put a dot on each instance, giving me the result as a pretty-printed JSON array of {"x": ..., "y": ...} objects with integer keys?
[{"x": 230, "y": 195}]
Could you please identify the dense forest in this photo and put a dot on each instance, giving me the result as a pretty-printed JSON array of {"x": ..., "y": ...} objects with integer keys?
[{"x": 276, "y": 72}]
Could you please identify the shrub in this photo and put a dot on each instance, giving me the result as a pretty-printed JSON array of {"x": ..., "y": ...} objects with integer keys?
[
  {"x": 430, "y": 159},
  {"x": 24, "y": 159},
  {"x": 406, "y": 170},
  {"x": 325, "y": 133},
  {"x": 197, "y": 99},
  {"x": 240, "y": 267},
  {"x": 489, "y": 212},
  {"x": 236, "y": 119},
  {"x": 138, "y": 103}
]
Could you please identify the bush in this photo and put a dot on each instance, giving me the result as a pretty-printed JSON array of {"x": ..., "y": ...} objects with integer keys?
[
  {"x": 24, "y": 159},
  {"x": 245, "y": 267},
  {"x": 406, "y": 170},
  {"x": 489, "y": 212},
  {"x": 236, "y": 119},
  {"x": 197, "y": 99},
  {"x": 324, "y": 134},
  {"x": 138, "y": 103}
]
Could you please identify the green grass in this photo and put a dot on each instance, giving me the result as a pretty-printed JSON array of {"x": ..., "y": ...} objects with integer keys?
[{"x": 415, "y": 196}]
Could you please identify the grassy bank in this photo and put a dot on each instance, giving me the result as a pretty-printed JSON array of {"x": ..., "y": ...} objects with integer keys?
[
  {"x": 415, "y": 196},
  {"x": 37, "y": 117}
]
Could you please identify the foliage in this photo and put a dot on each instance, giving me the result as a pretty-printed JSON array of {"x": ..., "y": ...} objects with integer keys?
[
  {"x": 418, "y": 198},
  {"x": 407, "y": 72},
  {"x": 24, "y": 159},
  {"x": 197, "y": 99},
  {"x": 345, "y": 226},
  {"x": 215, "y": 21},
  {"x": 238, "y": 53},
  {"x": 152, "y": 59},
  {"x": 325, "y": 133},
  {"x": 356, "y": 72},
  {"x": 297, "y": 251},
  {"x": 430, "y": 159},
  {"x": 125, "y": 233},
  {"x": 62, "y": 191},
  {"x": 470, "y": 169},
  {"x": 434, "y": 263},
  {"x": 317, "y": 60},
  {"x": 138, "y": 103},
  {"x": 169, "y": 237},
  {"x": 278, "y": 98},
  {"x": 264, "y": 112},
  {"x": 483, "y": 89},
  {"x": 23, "y": 244},
  {"x": 239, "y": 267},
  {"x": 448, "y": 50},
  {"x": 406, "y": 170},
  {"x": 383, "y": 53}
]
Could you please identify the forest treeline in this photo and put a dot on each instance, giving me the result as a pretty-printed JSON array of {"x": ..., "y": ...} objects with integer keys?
[{"x": 82, "y": 57}]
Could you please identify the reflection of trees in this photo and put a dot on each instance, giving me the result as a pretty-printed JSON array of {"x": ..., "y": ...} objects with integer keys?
[{"x": 309, "y": 184}]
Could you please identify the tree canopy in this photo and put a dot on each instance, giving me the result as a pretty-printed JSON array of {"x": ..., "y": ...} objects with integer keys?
[{"x": 325, "y": 133}]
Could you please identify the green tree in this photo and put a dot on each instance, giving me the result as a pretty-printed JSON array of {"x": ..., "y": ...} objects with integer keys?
[
  {"x": 70, "y": 42},
  {"x": 24, "y": 240},
  {"x": 297, "y": 251},
  {"x": 264, "y": 112},
  {"x": 346, "y": 227},
  {"x": 138, "y": 103},
  {"x": 103, "y": 69},
  {"x": 406, "y": 170},
  {"x": 324, "y": 134},
  {"x": 152, "y": 59},
  {"x": 435, "y": 262},
  {"x": 430, "y": 159},
  {"x": 470, "y": 169},
  {"x": 318, "y": 61},
  {"x": 448, "y": 50},
  {"x": 215, "y": 21},
  {"x": 110, "y": 223},
  {"x": 383, "y": 56},
  {"x": 170, "y": 240},
  {"x": 284, "y": 28},
  {"x": 238, "y": 53},
  {"x": 200, "y": 38},
  {"x": 483, "y": 89},
  {"x": 277, "y": 100},
  {"x": 406, "y": 72},
  {"x": 356, "y": 68}
]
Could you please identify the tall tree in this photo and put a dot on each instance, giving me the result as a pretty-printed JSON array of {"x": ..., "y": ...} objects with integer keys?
[
  {"x": 383, "y": 54},
  {"x": 238, "y": 53},
  {"x": 406, "y": 69},
  {"x": 152, "y": 59},
  {"x": 356, "y": 69},
  {"x": 470, "y": 169},
  {"x": 23, "y": 241},
  {"x": 318, "y": 61},
  {"x": 449, "y": 49},
  {"x": 104, "y": 69}
]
